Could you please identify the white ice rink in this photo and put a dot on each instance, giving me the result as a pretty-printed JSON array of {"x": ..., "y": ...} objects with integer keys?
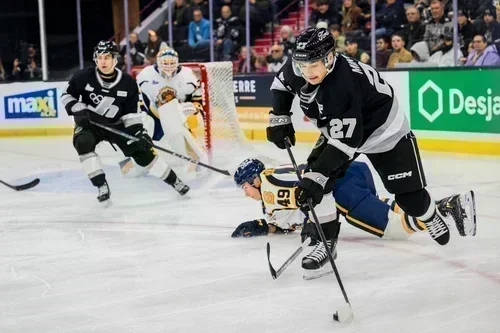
[{"x": 154, "y": 262}]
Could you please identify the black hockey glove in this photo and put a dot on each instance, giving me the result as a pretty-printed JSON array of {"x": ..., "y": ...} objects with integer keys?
[
  {"x": 280, "y": 127},
  {"x": 144, "y": 142},
  {"x": 310, "y": 187},
  {"x": 79, "y": 112},
  {"x": 251, "y": 229}
]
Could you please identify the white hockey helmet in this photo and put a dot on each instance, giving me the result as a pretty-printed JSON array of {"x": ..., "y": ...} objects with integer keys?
[{"x": 167, "y": 61}]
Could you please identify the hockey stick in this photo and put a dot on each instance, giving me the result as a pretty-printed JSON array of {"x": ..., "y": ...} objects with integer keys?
[
  {"x": 276, "y": 274},
  {"x": 133, "y": 138},
  {"x": 22, "y": 187},
  {"x": 343, "y": 314}
]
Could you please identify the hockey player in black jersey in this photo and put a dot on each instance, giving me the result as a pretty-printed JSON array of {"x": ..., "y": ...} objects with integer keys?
[
  {"x": 106, "y": 95},
  {"x": 357, "y": 112}
]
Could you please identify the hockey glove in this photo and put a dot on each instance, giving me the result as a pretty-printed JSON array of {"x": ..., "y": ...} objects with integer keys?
[
  {"x": 144, "y": 142},
  {"x": 251, "y": 229},
  {"x": 79, "y": 112},
  {"x": 310, "y": 187},
  {"x": 280, "y": 127}
]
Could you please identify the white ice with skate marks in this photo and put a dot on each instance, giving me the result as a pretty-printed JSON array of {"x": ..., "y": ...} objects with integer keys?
[{"x": 155, "y": 262}]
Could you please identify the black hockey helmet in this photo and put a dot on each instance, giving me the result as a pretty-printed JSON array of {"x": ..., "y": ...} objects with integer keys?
[
  {"x": 105, "y": 46},
  {"x": 311, "y": 45}
]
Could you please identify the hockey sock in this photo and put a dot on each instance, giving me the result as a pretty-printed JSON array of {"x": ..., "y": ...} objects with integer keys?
[
  {"x": 159, "y": 168},
  {"x": 92, "y": 166},
  {"x": 410, "y": 224}
]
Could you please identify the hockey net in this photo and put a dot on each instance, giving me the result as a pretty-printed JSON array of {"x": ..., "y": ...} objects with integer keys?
[{"x": 219, "y": 131}]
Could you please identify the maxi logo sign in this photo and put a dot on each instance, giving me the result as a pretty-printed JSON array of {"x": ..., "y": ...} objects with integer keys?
[{"x": 455, "y": 100}]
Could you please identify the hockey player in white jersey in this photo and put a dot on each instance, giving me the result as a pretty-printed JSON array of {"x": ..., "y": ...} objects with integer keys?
[
  {"x": 170, "y": 98},
  {"x": 354, "y": 194}
]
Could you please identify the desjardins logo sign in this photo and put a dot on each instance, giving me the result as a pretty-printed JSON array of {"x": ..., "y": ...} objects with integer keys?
[{"x": 472, "y": 99}]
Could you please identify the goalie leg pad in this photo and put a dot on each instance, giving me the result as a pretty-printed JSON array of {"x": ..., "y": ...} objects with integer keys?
[
  {"x": 159, "y": 168},
  {"x": 395, "y": 228}
]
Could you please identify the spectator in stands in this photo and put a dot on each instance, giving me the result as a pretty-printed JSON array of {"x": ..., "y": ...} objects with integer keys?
[
  {"x": 277, "y": 60},
  {"x": 181, "y": 14},
  {"x": 261, "y": 64},
  {"x": 389, "y": 18},
  {"x": 336, "y": 32},
  {"x": 351, "y": 15},
  {"x": 423, "y": 9},
  {"x": 228, "y": 33},
  {"x": 203, "y": 6},
  {"x": 466, "y": 30},
  {"x": 414, "y": 30},
  {"x": 136, "y": 50},
  {"x": 260, "y": 14},
  {"x": 235, "y": 5},
  {"x": 154, "y": 45},
  {"x": 17, "y": 70},
  {"x": 475, "y": 8},
  {"x": 351, "y": 49},
  {"x": 199, "y": 31},
  {"x": 481, "y": 55},
  {"x": 445, "y": 56},
  {"x": 383, "y": 52},
  {"x": 400, "y": 53},
  {"x": 242, "y": 65},
  {"x": 436, "y": 27},
  {"x": 323, "y": 13},
  {"x": 2, "y": 71},
  {"x": 420, "y": 53},
  {"x": 490, "y": 28},
  {"x": 287, "y": 39}
]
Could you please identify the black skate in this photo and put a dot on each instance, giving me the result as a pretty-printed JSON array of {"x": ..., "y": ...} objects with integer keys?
[
  {"x": 104, "y": 195},
  {"x": 438, "y": 229},
  {"x": 316, "y": 263},
  {"x": 180, "y": 187},
  {"x": 461, "y": 210}
]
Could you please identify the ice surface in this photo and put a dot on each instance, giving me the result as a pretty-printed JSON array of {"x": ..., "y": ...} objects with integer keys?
[{"x": 154, "y": 262}]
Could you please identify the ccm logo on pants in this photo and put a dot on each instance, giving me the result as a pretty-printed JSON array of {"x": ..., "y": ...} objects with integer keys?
[{"x": 399, "y": 175}]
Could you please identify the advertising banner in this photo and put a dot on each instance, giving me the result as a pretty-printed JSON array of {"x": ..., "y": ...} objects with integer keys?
[{"x": 455, "y": 101}]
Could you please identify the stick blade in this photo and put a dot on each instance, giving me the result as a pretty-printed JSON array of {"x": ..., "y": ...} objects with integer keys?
[
  {"x": 22, "y": 187},
  {"x": 273, "y": 271}
]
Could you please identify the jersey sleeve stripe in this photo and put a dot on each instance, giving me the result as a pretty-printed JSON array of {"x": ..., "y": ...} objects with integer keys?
[
  {"x": 132, "y": 119},
  {"x": 278, "y": 85},
  {"x": 349, "y": 151},
  {"x": 67, "y": 98}
]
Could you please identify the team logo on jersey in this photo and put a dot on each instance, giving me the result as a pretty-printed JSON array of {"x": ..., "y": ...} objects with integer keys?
[
  {"x": 268, "y": 197},
  {"x": 165, "y": 95},
  {"x": 88, "y": 87},
  {"x": 35, "y": 104},
  {"x": 155, "y": 82}
]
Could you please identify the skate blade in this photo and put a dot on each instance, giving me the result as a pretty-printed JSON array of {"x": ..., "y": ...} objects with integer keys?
[
  {"x": 106, "y": 204},
  {"x": 469, "y": 204},
  {"x": 318, "y": 273}
]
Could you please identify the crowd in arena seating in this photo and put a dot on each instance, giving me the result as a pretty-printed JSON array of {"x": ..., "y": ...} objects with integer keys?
[{"x": 409, "y": 33}]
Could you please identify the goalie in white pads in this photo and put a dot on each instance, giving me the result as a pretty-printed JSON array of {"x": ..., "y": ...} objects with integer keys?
[{"x": 171, "y": 103}]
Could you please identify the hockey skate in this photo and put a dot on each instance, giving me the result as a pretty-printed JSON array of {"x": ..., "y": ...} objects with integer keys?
[
  {"x": 460, "y": 210},
  {"x": 104, "y": 195},
  {"x": 176, "y": 183},
  {"x": 316, "y": 263},
  {"x": 438, "y": 229}
]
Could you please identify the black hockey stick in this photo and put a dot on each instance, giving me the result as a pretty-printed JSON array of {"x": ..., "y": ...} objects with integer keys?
[
  {"x": 22, "y": 187},
  {"x": 345, "y": 314},
  {"x": 276, "y": 274},
  {"x": 133, "y": 138}
]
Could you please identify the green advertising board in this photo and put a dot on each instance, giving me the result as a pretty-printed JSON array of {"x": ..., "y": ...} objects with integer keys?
[{"x": 455, "y": 100}]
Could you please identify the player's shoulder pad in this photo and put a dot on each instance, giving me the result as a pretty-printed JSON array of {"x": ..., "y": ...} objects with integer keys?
[{"x": 145, "y": 73}]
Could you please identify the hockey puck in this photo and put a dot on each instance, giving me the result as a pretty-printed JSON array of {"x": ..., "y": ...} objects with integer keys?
[{"x": 336, "y": 316}]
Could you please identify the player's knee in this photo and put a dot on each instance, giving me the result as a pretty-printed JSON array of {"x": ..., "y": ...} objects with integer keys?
[
  {"x": 84, "y": 143},
  {"x": 414, "y": 203},
  {"x": 143, "y": 158}
]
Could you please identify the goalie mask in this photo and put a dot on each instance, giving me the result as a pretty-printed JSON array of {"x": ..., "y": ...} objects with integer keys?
[
  {"x": 313, "y": 45},
  {"x": 167, "y": 61},
  {"x": 103, "y": 48}
]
